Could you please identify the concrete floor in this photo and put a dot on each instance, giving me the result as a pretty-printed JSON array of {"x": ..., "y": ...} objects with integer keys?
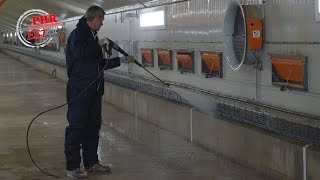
[{"x": 135, "y": 149}]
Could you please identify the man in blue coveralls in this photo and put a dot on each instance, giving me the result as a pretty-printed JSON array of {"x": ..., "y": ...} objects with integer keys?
[{"x": 85, "y": 63}]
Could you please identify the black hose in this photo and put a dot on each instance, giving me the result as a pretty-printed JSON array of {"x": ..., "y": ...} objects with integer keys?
[{"x": 71, "y": 100}]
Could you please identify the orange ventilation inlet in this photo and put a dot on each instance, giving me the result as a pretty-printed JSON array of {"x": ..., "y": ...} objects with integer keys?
[
  {"x": 185, "y": 62},
  {"x": 290, "y": 72},
  {"x": 62, "y": 38},
  {"x": 164, "y": 59},
  {"x": 211, "y": 64},
  {"x": 1, "y": 2},
  {"x": 147, "y": 57}
]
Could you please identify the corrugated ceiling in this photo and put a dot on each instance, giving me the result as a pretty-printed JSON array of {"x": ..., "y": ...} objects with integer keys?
[{"x": 11, "y": 10}]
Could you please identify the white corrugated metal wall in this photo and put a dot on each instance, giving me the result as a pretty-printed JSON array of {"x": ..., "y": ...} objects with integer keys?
[{"x": 290, "y": 28}]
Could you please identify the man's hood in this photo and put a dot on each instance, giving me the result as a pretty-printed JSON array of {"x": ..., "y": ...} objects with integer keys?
[{"x": 82, "y": 24}]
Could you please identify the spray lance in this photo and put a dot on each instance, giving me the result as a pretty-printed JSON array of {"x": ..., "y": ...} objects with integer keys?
[
  {"x": 108, "y": 45},
  {"x": 200, "y": 99}
]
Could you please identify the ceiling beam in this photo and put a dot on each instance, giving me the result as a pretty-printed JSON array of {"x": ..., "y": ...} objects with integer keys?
[
  {"x": 5, "y": 24},
  {"x": 141, "y": 3},
  {"x": 70, "y": 7}
]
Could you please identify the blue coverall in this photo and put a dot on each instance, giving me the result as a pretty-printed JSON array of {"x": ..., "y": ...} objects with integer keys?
[{"x": 84, "y": 62}]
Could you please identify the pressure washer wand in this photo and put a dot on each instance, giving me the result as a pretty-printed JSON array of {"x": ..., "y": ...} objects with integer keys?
[
  {"x": 140, "y": 65},
  {"x": 117, "y": 48}
]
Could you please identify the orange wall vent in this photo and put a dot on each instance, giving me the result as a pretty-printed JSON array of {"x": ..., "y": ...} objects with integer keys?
[
  {"x": 1, "y": 2},
  {"x": 164, "y": 57},
  {"x": 185, "y": 61},
  {"x": 147, "y": 56},
  {"x": 211, "y": 61},
  {"x": 62, "y": 38},
  {"x": 289, "y": 69}
]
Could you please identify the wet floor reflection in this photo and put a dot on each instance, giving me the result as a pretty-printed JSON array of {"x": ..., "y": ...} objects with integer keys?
[
  {"x": 166, "y": 155},
  {"x": 136, "y": 149}
]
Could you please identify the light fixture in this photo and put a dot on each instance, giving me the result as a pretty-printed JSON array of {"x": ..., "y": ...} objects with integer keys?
[
  {"x": 10, "y": 34},
  {"x": 7, "y": 35},
  {"x": 59, "y": 27}
]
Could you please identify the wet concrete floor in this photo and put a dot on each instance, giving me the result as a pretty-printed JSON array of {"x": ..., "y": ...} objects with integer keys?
[{"x": 136, "y": 149}]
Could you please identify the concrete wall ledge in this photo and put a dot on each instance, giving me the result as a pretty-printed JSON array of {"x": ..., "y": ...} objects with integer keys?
[{"x": 268, "y": 152}]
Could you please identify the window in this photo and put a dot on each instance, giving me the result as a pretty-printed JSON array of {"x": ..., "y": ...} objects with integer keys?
[
  {"x": 152, "y": 19},
  {"x": 317, "y": 9}
]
